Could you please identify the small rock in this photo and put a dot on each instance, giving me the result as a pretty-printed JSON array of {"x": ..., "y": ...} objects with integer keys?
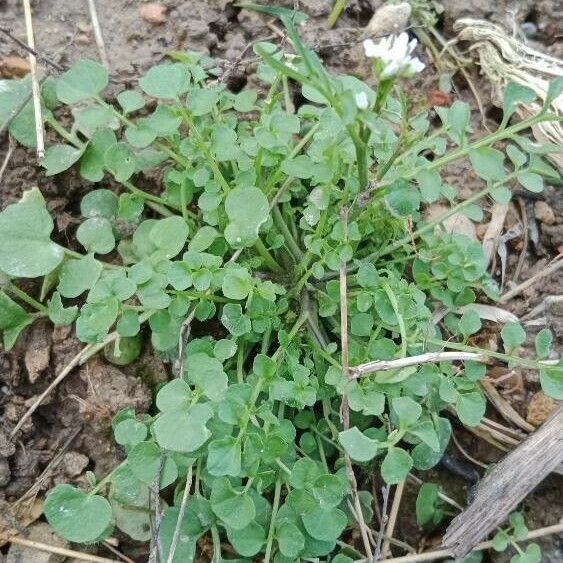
[
  {"x": 544, "y": 213},
  {"x": 5, "y": 473},
  {"x": 7, "y": 447},
  {"x": 529, "y": 29},
  {"x": 39, "y": 532},
  {"x": 84, "y": 27},
  {"x": 539, "y": 408},
  {"x": 389, "y": 18},
  {"x": 74, "y": 463},
  {"x": 14, "y": 67},
  {"x": 82, "y": 39},
  {"x": 153, "y": 13},
  {"x": 456, "y": 224},
  {"x": 38, "y": 351}
]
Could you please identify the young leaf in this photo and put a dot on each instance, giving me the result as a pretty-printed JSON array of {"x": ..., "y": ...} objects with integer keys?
[
  {"x": 76, "y": 515},
  {"x": 249, "y": 540},
  {"x": 513, "y": 335},
  {"x": 58, "y": 314},
  {"x": 396, "y": 465},
  {"x": 224, "y": 457},
  {"x": 358, "y": 445},
  {"x": 235, "y": 509},
  {"x": 13, "y": 319},
  {"x": 85, "y": 79},
  {"x": 325, "y": 524},
  {"x": 120, "y": 161},
  {"x": 488, "y": 163},
  {"x": 165, "y": 81},
  {"x": 470, "y": 408},
  {"x": 59, "y": 158},
  {"x": 26, "y": 251}
]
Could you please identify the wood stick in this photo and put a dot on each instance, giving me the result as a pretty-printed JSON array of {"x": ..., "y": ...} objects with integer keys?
[
  {"x": 60, "y": 550},
  {"x": 430, "y": 357},
  {"x": 394, "y": 512},
  {"x": 98, "y": 33},
  {"x": 509, "y": 482},
  {"x": 39, "y": 133},
  {"x": 551, "y": 269}
]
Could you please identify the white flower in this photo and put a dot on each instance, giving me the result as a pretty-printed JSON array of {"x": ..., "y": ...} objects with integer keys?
[
  {"x": 395, "y": 54},
  {"x": 362, "y": 100}
]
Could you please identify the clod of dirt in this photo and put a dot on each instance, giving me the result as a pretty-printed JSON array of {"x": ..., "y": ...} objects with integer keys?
[
  {"x": 153, "y": 13},
  {"x": 554, "y": 313},
  {"x": 13, "y": 67},
  {"x": 40, "y": 532},
  {"x": 74, "y": 463},
  {"x": 7, "y": 447},
  {"x": 539, "y": 408},
  {"x": 38, "y": 350},
  {"x": 389, "y": 18},
  {"x": 5, "y": 473},
  {"x": 456, "y": 224},
  {"x": 544, "y": 213}
]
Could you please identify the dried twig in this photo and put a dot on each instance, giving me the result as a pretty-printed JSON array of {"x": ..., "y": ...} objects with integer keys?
[
  {"x": 556, "y": 265},
  {"x": 154, "y": 503},
  {"x": 384, "y": 518},
  {"x": 59, "y": 550},
  {"x": 6, "y": 160},
  {"x": 181, "y": 513},
  {"x": 98, "y": 33},
  {"x": 37, "y": 55},
  {"x": 397, "y": 497},
  {"x": 506, "y": 485},
  {"x": 344, "y": 408},
  {"x": 39, "y": 133},
  {"x": 430, "y": 357},
  {"x": 118, "y": 553}
]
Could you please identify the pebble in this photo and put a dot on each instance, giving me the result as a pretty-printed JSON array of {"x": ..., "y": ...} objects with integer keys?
[
  {"x": 74, "y": 463},
  {"x": 529, "y": 29},
  {"x": 389, "y": 18},
  {"x": 539, "y": 408},
  {"x": 5, "y": 473},
  {"x": 544, "y": 213},
  {"x": 153, "y": 13},
  {"x": 14, "y": 67}
]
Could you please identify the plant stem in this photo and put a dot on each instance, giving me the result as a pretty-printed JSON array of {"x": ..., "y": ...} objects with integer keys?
[
  {"x": 293, "y": 247},
  {"x": 339, "y": 5},
  {"x": 275, "y": 507},
  {"x": 267, "y": 257},
  {"x": 15, "y": 290},
  {"x": 400, "y": 320}
]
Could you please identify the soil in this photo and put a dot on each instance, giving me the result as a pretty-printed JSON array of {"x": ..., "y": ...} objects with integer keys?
[{"x": 70, "y": 433}]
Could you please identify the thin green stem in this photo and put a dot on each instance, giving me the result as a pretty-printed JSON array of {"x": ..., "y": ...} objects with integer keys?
[
  {"x": 16, "y": 291},
  {"x": 275, "y": 508},
  {"x": 267, "y": 257},
  {"x": 293, "y": 247},
  {"x": 217, "y": 556},
  {"x": 339, "y": 5},
  {"x": 401, "y": 322}
]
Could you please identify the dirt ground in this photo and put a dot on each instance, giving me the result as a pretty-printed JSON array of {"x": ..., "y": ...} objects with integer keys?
[{"x": 70, "y": 433}]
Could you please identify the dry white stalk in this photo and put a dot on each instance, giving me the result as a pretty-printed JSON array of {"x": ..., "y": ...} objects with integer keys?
[
  {"x": 36, "y": 92},
  {"x": 98, "y": 33},
  {"x": 429, "y": 357}
]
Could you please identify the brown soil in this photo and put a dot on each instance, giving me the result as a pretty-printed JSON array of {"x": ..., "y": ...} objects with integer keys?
[{"x": 70, "y": 433}]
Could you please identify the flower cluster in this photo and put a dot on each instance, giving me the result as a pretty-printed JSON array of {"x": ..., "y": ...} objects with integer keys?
[{"x": 394, "y": 55}]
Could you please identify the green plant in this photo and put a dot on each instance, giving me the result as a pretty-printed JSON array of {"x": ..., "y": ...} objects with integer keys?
[
  {"x": 262, "y": 205},
  {"x": 515, "y": 532}
]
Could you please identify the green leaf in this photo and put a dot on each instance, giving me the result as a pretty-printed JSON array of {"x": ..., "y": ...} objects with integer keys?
[
  {"x": 207, "y": 374},
  {"x": 515, "y": 94},
  {"x": 235, "y": 509},
  {"x": 554, "y": 91},
  {"x": 85, "y": 79},
  {"x": 13, "y": 319},
  {"x": 430, "y": 184},
  {"x": 130, "y": 100},
  {"x": 358, "y": 445},
  {"x": 58, "y": 314},
  {"x": 407, "y": 410},
  {"x": 119, "y": 159},
  {"x": 361, "y": 324},
  {"x": 170, "y": 235},
  {"x": 247, "y": 209},
  {"x": 488, "y": 163},
  {"x": 426, "y": 432},
  {"x": 237, "y": 283},
  {"x": 99, "y": 203},
  {"x": 396, "y": 465},
  {"x": 300, "y": 167},
  {"x": 78, "y": 276},
  {"x": 130, "y": 432},
  {"x": 76, "y": 515},
  {"x": 424, "y": 457},
  {"x": 290, "y": 539},
  {"x": 201, "y": 101},
  {"x": 248, "y": 541},
  {"x": 402, "y": 198},
  {"x": 469, "y": 323},
  {"x": 224, "y": 457},
  {"x": 426, "y": 503},
  {"x": 59, "y": 158},
  {"x": 166, "y": 81},
  {"x": 95, "y": 319},
  {"x": 531, "y": 181},
  {"x": 183, "y": 429},
  {"x": 130, "y": 207},
  {"x": 543, "y": 342},
  {"x": 189, "y": 533},
  {"x": 203, "y": 238},
  {"x": 96, "y": 235},
  {"x": 500, "y": 541},
  {"x": 329, "y": 490},
  {"x": 175, "y": 394},
  {"x": 551, "y": 379},
  {"x": 26, "y": 251},
  {"x": 224, "y": 143},
  {"x": 304, "y": 472},
  {"x": 513, "y": 335},
  {"x": 325, "y": 525},
  {"x": 144, "y": 460},
  {"x": 92, "y": 162},
  {"x": 234, "y": 320},
  {"x": 470, "y": 408}
]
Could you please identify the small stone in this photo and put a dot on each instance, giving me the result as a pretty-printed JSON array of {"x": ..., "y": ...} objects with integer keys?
[
  {"x": 389, "y": 18},
  {"x": 153, "y": 13},
  {"x": 544, "y": 213},
  {"x": 5, "y": 473},
  {"x": 539, "y": 408},
  {"x": 82, "y": 39},
  {"x": 74, "y": 463},
  {"x": 40, "y": 532},
  {"x": 14, "y": 67},
  {"x": 529, "y": 29},
  {"x": 457, "y": 224},
  {"x": 84, "y": 27}
]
